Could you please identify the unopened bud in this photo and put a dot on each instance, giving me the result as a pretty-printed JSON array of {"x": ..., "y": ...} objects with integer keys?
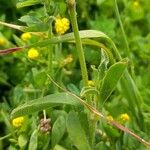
[
  {"x": 71, "y": 3},
  {"x": 45, "y": 125}
]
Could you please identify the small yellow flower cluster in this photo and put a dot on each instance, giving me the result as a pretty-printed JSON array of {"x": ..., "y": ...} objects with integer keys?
[
  {"x": 26, "y": 36},
  {"x": 136, "y": 3},
  {"x": 109, "y": 118},
  {"x": 67, "y": 60},
  {"x": 2, "y": 41},
  {"x": 33, "y": 53},
  {"x": 124, "y": 117},
  {"x": 17, "y": 122},
  {"x": 91, "y": 83},
  {"x": 61, "y": 25}
]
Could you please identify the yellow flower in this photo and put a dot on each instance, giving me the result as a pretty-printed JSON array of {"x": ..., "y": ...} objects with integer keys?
[
  {"x": 91, "y": 83},
  {"x": 17, "y": 122},
  {"x": 67, "y": 60},
  {"x": 136, "y": 3},
  {"x": 124, "y": 117},
  {"x": 26, "y": 36},
  {"x": 109, "y": 118},
  {"x": 33, "y": 53},
  {"x": 2, "y": 41},
  {"x": 61, "y": 25}
]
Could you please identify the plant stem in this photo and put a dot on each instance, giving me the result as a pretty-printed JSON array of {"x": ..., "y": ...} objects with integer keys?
[
  {"x": 125, "y": 38},
  {"x": 122, "y": 30},
  {"x": 72, "y": 11},
  {"x": 6, "y": 136},
  {"x": 92, "y": 129},
  {"x": 127, "y": 78},
  {"x": 50, "y": 50},
  {"x": 44, "y": 114}
]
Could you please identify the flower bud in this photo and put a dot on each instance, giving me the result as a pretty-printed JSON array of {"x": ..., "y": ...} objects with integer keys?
[
  {"x": 45, "y": 126},
  {"x": 2, "y": 41},
  {"x": 26, "y": 36}
]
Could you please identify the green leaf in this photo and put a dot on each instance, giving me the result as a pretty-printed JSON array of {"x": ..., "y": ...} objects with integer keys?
[
  {"x": 33, "y": 140},
  {"x": 17, "y": 40},
  {"x": 11, "y": 147},
  {"x": 43, "y": 103},
  {"x": 27, "y": 3},
  {"x": 39, "y": 78},
  {"x": 89, "y": 90},
  {"x": 22, "y": 140},
  {"x": 101, "y": 46},
  {"x": 70, "y": 36},
  {"x": 132, "y": 94},
  {"x": 58, "y": 130},
  {"x": 76, "y": 132},
  {"x": 58, "y": 147},
  {"x": 3, "y": 78},
  {"x": 84, "y": 34},
  {"x": 29, "y": 19},
  {"x": 101, "y": 146},
  {"x": 103, "y": 64},
  {"x": 92, "y": 56},
  {"x": 34, "y": 24},
  {"x": 106, "y": 25},
  {"x": 111, "y": 79},
  {"x": 84, "y": 121},
  {"x": 111, "y": 131},
  {"x": 135, "y": 12},
  {"x": 73, "y": 89}
]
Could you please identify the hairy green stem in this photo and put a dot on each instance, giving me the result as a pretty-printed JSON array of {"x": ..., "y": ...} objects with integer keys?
[{"x": 72, "y": 11}]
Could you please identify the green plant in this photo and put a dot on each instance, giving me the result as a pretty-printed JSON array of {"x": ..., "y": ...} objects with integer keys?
[{"x": 87, "y": 127}]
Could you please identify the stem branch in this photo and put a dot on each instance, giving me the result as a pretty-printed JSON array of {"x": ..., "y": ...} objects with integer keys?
[{"x": 72, "y": 11}]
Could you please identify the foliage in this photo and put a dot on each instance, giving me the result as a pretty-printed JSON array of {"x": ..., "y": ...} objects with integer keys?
[{"x": 107, "y": 66}]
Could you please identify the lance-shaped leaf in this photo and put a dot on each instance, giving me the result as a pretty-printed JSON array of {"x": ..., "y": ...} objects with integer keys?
[
  {"x": 27, "y": 3},
  {"x": 111, "y": 79},
  {"x": 84, "y": 34},
  {"x": 70, "y": 37},
  {"x": 76, "y": 132},
  {"x": 43, "y": 103},
  {"x": 33, "y": 140},
  {"x": 58, "y": 130},
  {"x": 131, "y": 93}
]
